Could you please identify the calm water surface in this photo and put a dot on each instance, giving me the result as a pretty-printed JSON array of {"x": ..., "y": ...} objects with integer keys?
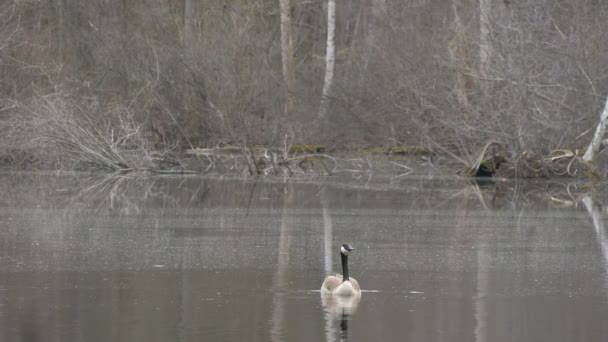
[{"x": 86, "y": 258}]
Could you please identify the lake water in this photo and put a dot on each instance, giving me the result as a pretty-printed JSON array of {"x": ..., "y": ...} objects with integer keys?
[{"x": 137, "y": 258}]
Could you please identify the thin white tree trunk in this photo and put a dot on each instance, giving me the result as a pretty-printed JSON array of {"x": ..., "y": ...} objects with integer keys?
[
  {"x": 287, "y": 55},
  {"x": 594, "y": 146},
  {"x": 330, "y": 57},
  {"x": 485, "y": 40}
]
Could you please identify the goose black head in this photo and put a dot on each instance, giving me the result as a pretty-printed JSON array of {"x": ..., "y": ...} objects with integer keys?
[{"x": 346, "y": 248}]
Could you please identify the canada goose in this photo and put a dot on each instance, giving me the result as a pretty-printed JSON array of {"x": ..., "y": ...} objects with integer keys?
[{"x": 342, "y": 285}]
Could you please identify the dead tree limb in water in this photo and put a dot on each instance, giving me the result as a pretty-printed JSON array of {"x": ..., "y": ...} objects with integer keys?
[{"x": 594, "y": 146}]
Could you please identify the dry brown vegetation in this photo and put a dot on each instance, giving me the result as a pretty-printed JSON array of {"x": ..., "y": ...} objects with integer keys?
[{"x": 131, "y": 85}]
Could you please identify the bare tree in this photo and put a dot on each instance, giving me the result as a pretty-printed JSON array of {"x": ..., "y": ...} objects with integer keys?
[
  {"x": 461, "y": 61},
  {"x": 77, "y": 132},
  {"x": 378, "y": 14},
  {"x": 287, "y": 55},
  {"x": 485, "y": 39},
  {"x": 330, "y": 57}
]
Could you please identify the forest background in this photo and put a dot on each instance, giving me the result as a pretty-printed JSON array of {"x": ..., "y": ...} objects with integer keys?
[{"x": 118, "y": 84}]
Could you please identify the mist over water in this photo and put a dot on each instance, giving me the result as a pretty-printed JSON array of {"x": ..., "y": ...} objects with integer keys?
[{"x": 89, "y": 258}]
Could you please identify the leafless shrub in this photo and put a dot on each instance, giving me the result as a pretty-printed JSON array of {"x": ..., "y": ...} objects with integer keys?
[{"x": 86, "y": 132}]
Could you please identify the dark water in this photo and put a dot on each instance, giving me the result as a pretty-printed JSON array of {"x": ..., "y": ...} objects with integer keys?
[{"x": 220, "y": 259}]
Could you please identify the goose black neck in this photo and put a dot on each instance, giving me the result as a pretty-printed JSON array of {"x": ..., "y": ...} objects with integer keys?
[{"x": 344, "y": 266}]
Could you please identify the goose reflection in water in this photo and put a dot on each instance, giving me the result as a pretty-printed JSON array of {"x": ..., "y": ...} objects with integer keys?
[{"x": 338, "y": 309}]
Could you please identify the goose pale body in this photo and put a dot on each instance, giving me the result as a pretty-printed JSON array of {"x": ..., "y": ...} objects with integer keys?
[{"x": 335, "y": 286}]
